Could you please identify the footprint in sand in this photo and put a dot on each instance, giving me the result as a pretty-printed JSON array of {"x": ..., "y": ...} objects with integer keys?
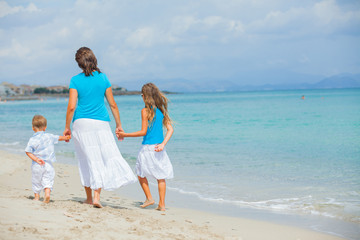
[
  {"x": 30, "y": 230},
  {"x": 130, "y": 219},
  {"x": 75, "y": 230},
  {"x": 68, "y": 215}
]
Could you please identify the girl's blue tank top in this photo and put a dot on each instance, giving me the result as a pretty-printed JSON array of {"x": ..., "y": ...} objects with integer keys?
[{"x": 154, "y": 134}]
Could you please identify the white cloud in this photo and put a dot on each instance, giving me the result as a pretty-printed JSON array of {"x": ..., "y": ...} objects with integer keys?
[
  {"x": 178, "y": 39},
  {"x": 181, "y": 24},
  {"x": 212, "y": 20},
  {"x": 6, "y": 9},
  {"x": 142, "y": 37},
  {"x": 324, "y": 17},
  {"x": 64, "y": 32},
  {"x": 329, "y": 16},
  {"x": 79, "y": 22},
  {"x": 236, "y": 26},
  {"x": 16, "y": 50},
  {"x": 210, "y": 28}
]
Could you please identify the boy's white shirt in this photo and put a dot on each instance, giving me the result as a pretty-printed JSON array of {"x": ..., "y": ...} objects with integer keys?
[{"x": 41, "y": 144}]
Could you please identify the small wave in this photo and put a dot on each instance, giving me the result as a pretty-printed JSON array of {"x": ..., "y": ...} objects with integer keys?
[
  {"x": 300, "y": 205},
  {"x": 9, "y": 144}
]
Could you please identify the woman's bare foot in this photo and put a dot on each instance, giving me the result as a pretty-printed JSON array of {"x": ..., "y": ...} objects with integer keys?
[
  {"x": 46, "y": 199},
  {"x": 147, "y": 203},
  {"x": 160, "y": 208},
  {"x": 97, "y": 204}
]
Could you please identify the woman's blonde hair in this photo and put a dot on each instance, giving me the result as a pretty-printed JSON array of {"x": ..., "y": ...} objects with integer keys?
[{"x": 153, "y": 99}]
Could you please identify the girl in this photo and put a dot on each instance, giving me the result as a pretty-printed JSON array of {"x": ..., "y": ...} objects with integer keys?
[{"x": 152, "y": 160}]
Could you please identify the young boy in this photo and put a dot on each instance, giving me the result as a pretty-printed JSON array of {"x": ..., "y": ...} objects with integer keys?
[{"x": 40, "y": 149}]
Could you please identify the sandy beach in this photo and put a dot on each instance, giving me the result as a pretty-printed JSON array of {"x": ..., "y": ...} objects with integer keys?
[{"x": 65, "y": 217}]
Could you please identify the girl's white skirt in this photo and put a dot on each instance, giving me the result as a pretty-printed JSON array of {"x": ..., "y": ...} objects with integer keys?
[
  {"x": 153, "y": 164},
  {"x": 101, "y": 164}
]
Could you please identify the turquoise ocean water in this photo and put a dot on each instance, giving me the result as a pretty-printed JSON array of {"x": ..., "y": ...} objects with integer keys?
[{"x": 270, "y": 150}]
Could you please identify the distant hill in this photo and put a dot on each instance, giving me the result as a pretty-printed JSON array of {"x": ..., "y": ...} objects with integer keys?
[
  {"x": 206, "y": 85},
  {"x": 339, "y": 81},
  {"x": 336, "y": 81}
]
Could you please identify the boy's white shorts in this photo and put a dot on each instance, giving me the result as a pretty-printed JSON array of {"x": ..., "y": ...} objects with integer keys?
[{"x": 42, "y": 176}]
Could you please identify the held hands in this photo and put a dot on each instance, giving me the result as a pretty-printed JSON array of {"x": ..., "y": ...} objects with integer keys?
[
  {"x": 67, "y": 133},
  {"x": 159, "y": 147},
  {"x": 65, "y": 138},
  {"x": 119, "y": 133}
]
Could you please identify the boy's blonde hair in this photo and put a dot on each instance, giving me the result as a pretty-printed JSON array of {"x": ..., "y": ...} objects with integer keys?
[{"x": 39, "y": 122}]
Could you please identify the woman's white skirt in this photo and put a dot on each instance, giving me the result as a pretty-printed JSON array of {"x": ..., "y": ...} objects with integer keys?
[
  {"x": 153, "y": 164},
  {"x": 101, "y": 164}
]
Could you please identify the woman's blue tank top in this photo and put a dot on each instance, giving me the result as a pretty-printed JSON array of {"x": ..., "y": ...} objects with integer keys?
[{"x": 154, "y": 134}]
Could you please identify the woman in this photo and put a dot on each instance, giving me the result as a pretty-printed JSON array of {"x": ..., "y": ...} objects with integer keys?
[{"x": 101, "y": 165}]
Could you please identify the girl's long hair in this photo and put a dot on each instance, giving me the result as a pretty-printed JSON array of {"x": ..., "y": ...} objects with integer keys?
[
  {"x": 153, "y": 99},
  {"x": 86, "y": 60}
]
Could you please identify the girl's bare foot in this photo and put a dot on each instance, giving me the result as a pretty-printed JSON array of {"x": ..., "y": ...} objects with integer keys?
[
  {"x": 147, "y": 203},
  {"x": 88, "y": 202},
  {"x": 97, "y": 204},
  {"x": 160, "y": 208}
]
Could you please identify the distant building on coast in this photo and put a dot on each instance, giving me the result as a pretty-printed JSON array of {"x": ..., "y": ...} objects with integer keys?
[
  {"x": 118, "y": 90},
  {"x": 5, "y": 91},
  {"x": 9, "y": 89},
  {"x": 24, "y": 91},
  {"x": 15, "y": 90}
]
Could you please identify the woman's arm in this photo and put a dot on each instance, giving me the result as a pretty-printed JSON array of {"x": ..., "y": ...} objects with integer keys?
[
  {"x": 73, "y": 94},
  {"x": 114, "y": 108},
  {"x": 169, "y": 133},
  {"x": 144, "y": 126},
  {"x": 115, "y": 112}
]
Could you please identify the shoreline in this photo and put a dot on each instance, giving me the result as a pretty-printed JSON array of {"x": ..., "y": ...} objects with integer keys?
[
  {"x": 64, "y": 95},
  {"x": 66, "y": 217}
]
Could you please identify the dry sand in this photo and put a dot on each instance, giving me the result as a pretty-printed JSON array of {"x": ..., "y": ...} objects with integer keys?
[{"x": 65, "y": 217}]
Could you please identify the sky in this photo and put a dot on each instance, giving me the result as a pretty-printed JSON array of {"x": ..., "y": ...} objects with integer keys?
[{"x": 181, "y": 44}]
